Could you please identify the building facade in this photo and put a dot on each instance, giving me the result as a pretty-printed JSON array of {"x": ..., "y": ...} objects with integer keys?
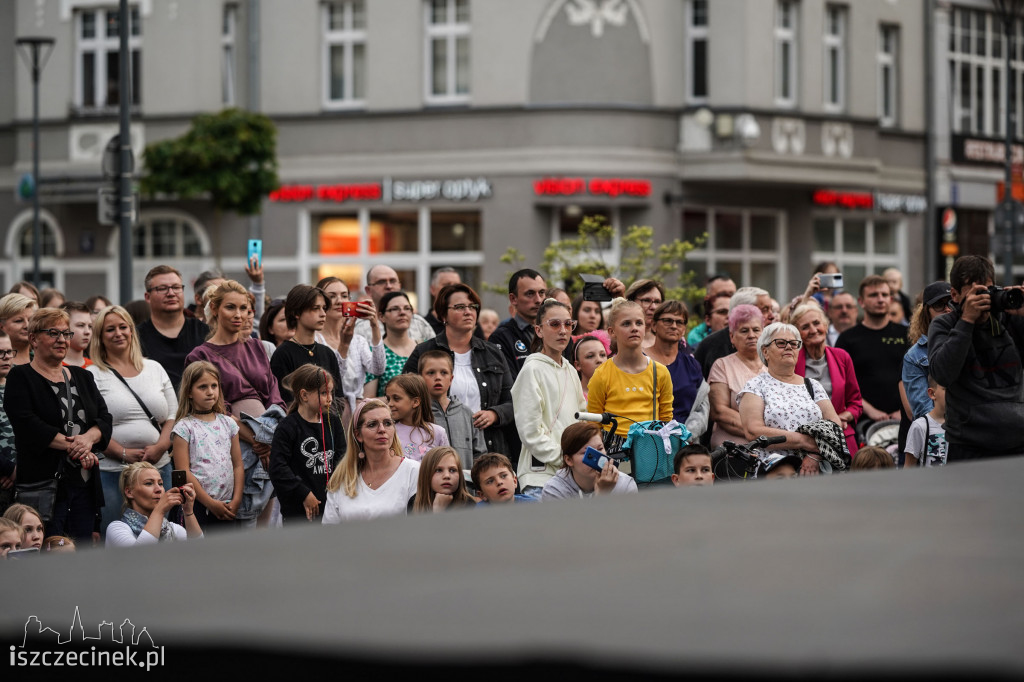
[{"x": 429, "y": 133}]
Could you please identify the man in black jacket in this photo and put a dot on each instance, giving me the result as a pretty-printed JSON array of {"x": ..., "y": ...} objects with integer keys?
[{"x": 975, "y": 352}]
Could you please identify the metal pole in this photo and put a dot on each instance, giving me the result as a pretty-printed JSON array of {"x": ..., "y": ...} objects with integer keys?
[
  {"x": 37, "y": 229},
  {"x": 931, "y": 229},
  {"x": 253, "y": 54},
  {"x": 1008, "y": 18},
  {"x": 124, "y": 184}
]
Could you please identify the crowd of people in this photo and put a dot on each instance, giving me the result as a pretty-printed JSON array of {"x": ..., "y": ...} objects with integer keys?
[{"x": 183, "y": 421}]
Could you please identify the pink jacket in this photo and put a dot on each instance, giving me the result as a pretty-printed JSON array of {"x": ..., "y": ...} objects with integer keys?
[{"x": 845, "y": 389}]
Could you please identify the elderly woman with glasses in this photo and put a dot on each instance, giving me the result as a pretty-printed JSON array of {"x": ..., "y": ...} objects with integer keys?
[
  {"x": 60, "y": 422},
  {"x": 778, "y": 401},
  {"x": 689, "y": 390}
]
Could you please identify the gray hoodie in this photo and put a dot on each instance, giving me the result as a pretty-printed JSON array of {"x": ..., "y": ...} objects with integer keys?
[{"x": 457, "y": 421}]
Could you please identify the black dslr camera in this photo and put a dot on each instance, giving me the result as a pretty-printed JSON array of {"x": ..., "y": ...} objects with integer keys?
[{"x": 1005, "y": 299}]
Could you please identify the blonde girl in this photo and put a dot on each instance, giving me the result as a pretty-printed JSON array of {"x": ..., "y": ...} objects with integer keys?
[
  {"x": 441, "y": 484},
  {"x": 414, "y": 421},
  {"x": 625, "y": 385},
  {"x": 205, "y": 444}
]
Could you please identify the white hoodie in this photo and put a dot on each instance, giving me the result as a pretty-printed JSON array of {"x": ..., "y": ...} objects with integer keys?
[{"x": 546, "y": 397}]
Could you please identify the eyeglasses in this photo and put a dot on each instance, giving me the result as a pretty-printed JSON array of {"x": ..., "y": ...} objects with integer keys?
[
  {"x": 373, "y": 425},
  {"x": 672, "y": 321},
  {"x": 940, "y": 307},
  {"x": 57, "y": 333},
  {"x": 4, "y": 354},
  {"x": 782, "y": 344},
  {"x": 557, "y": 324},
  {"x": 399, "y": 309},
  {"x": 164, "y": 288},
  {"x": 385, "y": 282},
  {"x": 464, "y": 307},
  {"x": 646, "y": 302}
]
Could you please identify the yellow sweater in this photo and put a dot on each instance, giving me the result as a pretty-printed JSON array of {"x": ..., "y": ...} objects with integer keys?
[{"x": 629, "y": 395}]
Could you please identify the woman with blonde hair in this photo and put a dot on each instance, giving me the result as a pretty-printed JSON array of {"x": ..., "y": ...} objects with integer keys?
[
  {"x": 15, "y": 312},
  {"x": 141, "y": 400},
  {"x": 630, "y": 384},
  {"x": 145, "y": 504},
  {"x": 373, "y": 478}
]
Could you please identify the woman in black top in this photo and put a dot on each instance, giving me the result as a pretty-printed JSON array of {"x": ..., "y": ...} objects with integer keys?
[{"x": 53, "y": 439}]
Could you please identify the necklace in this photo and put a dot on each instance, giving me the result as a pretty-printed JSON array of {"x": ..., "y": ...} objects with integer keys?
[
  {"x": 202, "y": 411},
  {"x": 308, "y": 350}
]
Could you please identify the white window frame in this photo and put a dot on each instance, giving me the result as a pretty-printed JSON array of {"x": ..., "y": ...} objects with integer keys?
[
  {"x": 869, "y": 259},
  {"x": 450, "y": 31},
  {"x": 423, "y": 261},
  {"x": 985, "y": 74},
  {"x": 100, "y": 45},
  {"x": 183, "y": 223},
  {"x": 696, "y": 33},
  {"x": 834, "y": 42},
  {"x": 710, "y": 254},
  {"x": 786, "y": 36},
  {"x": 229, "y": 56},
  {"x": 347, "y": 38},
  {"x": 888, "y": 63}
]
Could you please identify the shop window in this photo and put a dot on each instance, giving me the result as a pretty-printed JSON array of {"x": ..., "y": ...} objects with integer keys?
[
  {"x": 394, "y": 232},
  {"x": 859, "y": 245},
  {"x": 455, "y": 231},
  {"x": 743, "y": 244},
  {"x": 165, "y": 237}
]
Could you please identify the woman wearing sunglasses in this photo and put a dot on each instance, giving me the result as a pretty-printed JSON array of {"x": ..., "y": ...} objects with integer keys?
[
  {"x": 547, "y": 395},
  {"x": 778, "y": 401},
  {"x": 481, "y": 380},
  {"x": 60, "y": 421}
]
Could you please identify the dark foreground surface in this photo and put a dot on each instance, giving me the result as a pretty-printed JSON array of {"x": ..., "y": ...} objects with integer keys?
[{"x": 912, "y": 573}]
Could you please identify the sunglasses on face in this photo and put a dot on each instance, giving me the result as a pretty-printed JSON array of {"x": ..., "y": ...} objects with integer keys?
[{"x": 557, "y": 324}]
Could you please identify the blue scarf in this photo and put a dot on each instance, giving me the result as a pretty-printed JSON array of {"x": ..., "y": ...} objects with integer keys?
[{"x": 137, "y": 522}]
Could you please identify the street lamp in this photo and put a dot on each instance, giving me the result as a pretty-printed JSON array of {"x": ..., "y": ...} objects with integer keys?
[
  {"x": 1011, "y": 212},
  {"x": 35, "y": 51}
]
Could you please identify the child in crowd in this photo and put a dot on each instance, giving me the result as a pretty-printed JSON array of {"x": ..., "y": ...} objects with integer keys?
[
  {"x": 926, "y": 440},
  {"x": 775, "y": 465},
  {"x": 59, "y": 544},
  {"x": 305, "y": 313},
  {"x": 410, "y": 408},
  {"x": 590, "y": 353},
  {"x": 441, "y": 485},
  {"x": 494, "y": 478},
  {"x": 488, "y": 321},
  {"x": 872, "y": 457},
  {"x": 8, "y": 456},
  {"x": 30, "y": 522},
  {"x": 577, "y": 478},
  {"x": 436, "y": 367},
  {"x": 81, "y": 325},
  {"x": 547, "y": 395},
  {"x": 11, "y": 536},
  {"x": 204, "y": 442},
  {"x": 308, "y": 444},
  {"x": 692, "y": 467}
]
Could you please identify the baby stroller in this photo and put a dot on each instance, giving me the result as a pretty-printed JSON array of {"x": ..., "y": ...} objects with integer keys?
[{"x": 884, "y": 434}]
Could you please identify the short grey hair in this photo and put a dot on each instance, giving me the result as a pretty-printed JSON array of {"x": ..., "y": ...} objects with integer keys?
[
  {"x": 810, "y": 306},
  {"x": 769, "y": 333},
  {"x": 436, "y": 277},
  {"x": 746, "y": 296}
]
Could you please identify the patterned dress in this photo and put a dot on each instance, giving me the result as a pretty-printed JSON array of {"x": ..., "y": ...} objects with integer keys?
[{"x": 393, "y": 365}]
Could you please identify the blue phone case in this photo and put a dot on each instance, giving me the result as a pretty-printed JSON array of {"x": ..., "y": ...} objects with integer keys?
[
  {"x": 256, "y": 249},
  {"x": 595, "y": 459}
]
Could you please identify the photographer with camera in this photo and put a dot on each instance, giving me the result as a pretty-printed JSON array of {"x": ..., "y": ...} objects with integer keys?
[{"x": 975, "y": 352}]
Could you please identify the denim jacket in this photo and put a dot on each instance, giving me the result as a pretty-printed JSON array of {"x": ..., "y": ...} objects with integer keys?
[{"x": 915, "y": 378}]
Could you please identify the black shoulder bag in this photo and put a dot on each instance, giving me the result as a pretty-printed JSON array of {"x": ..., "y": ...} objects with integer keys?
[{"x": 152, "y": 419}]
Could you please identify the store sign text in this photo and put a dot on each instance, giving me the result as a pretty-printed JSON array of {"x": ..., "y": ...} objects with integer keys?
[
  {"x": 387, "y": 191},
  {"x": 884, "y": 202},
  {"x": 610, "y": 187}
]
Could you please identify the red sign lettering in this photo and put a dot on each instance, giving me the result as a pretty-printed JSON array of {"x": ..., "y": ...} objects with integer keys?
[
  {"x": 850, "y": 200},
  {"x": 611, "y": 187},
  {"x": 337, "y": 193}
]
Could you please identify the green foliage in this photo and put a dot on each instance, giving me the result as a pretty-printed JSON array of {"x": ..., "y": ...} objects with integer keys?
[
  {"x": 230, "y": 156},
  {"x": 640, "y": 258}
]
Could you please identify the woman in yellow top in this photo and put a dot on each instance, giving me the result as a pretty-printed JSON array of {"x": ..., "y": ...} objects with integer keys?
[{"x": 624, "y": 385}]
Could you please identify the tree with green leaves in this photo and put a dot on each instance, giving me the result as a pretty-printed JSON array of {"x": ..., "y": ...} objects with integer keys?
[
  {"x": 564, "y": 260},
  {"x": 229, "y": 157}
]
